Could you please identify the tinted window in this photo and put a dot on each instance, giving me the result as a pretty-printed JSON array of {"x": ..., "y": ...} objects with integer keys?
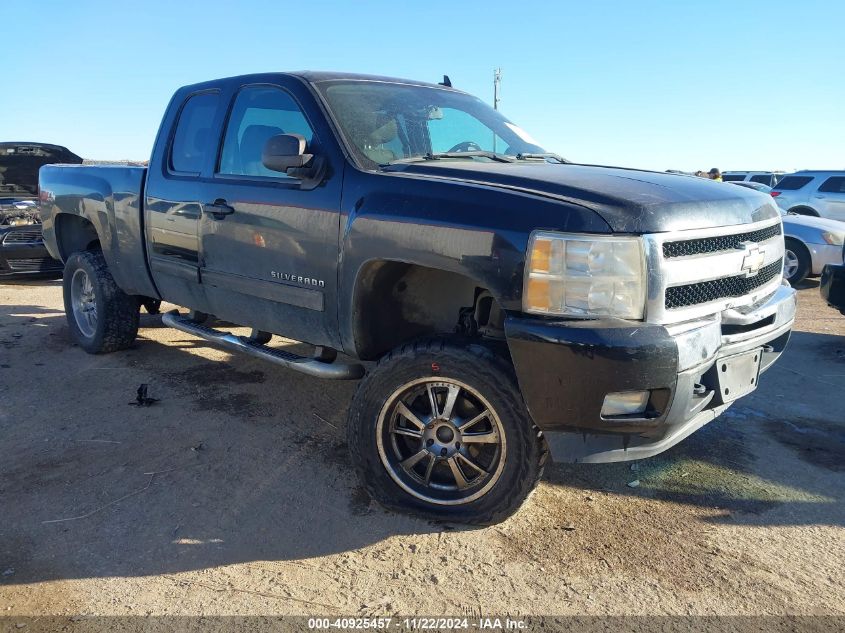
[
  {"x": 764, "y": 179},
  {"x": 793, "y": 183},
  {"x": 192, "y": 141},
  {"x": 733, "y": 177},
  {"x": 836, "y": 184},
  {"x": 259, "y": 113}
]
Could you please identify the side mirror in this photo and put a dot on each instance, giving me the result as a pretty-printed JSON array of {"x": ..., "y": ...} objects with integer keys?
[{"x": 285, "y": 151}]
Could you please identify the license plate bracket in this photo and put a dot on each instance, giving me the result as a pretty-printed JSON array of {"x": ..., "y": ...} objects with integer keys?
[{"x": 738, "y": 374}]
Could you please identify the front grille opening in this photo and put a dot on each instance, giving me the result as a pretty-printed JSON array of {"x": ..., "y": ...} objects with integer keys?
[
  {"x": 728, "y": 329},
  {"x": 706, "y": 291},
  {"x": 29, "y": 236},
  {"x": 703, "y": 245},
  {"x": 34, "y": 265}
]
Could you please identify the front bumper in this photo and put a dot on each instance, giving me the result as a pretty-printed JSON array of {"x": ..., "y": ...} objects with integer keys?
[
  {"x": 832, "y": 286},
  {"x": 566, "y": 368},
  {"x": 23, "y": 253}
]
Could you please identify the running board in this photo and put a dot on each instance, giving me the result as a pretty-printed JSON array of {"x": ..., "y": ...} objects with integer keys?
[{"x": 310, "y": 366}]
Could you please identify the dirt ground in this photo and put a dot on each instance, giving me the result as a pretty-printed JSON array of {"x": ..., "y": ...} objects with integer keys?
[{"x": 233, "y": 495}]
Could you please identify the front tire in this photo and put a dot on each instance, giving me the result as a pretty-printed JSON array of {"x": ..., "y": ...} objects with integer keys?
[
  {"x": 440, "y": 430},
  {"x": 101, "y": 317},
  {"x": 796, "y": 262}
]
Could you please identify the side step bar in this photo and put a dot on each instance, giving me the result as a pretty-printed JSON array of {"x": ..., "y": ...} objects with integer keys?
[{"x": 310, "y": 366}]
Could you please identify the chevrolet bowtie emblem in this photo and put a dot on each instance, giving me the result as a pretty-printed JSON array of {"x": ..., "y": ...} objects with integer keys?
[{"x": 754, "y": 258}]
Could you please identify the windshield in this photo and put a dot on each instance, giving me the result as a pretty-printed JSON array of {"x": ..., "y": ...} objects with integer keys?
[{"x": 384, "y": 122}]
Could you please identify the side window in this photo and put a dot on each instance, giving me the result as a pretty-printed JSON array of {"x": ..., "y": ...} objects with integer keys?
[
  {"x": 836, "y": 184},
  {"x": 793, "y": 183},
  {"x": 733, "y": 177},
  {"x": 763, "y": 179},
  {"x": 259, "y": 112},
  {"x": 192, "y": 140},
  {"x": 451, "y": 128}
]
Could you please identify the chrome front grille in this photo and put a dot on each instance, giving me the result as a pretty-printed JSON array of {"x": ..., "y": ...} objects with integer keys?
[
  {"x": 698, "y": 273},
  {"x": 707, "y": 291},
  {"x": 703, "y": 245}
]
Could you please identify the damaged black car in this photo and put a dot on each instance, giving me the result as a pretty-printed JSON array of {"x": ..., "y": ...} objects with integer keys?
[{"x": 22, "y": 250}]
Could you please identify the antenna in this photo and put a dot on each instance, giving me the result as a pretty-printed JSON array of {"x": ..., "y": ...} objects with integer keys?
[{"x": 497, "y": 82}]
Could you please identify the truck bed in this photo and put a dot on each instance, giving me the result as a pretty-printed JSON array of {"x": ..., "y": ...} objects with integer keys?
[{"x": 109, "y": 198}]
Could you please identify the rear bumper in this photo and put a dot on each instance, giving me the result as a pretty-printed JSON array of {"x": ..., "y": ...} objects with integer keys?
[
  {"x": 23, "y": 254},
  {"x": 566, "y": 368},
  {"x": 833, "y": 286}
]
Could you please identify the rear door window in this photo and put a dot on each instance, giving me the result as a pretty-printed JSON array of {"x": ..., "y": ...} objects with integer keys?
[
  {"x": 192, "y": 140},
  {"x": 793, "y": 183},
  {"x": 733, "y": 177},
  {"x": 835, "y": 184},
  {"x": 763, "y": 179}
]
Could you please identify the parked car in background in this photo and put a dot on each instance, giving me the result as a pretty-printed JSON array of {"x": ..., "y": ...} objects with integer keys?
[
  {"x": 769, "y": 178},
  {"x": 820, "y": 193},
  {"x": 811, "y": 242},
  {"x": 22, "y": 251}
]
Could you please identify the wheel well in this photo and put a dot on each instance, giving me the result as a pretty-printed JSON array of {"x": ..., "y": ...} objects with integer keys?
[
  {"x": 74, "y": 233},
  {"x": 802, "y": 210},
  {"x": 798, "y": 245},
  {"x": 395, "y": 302}
]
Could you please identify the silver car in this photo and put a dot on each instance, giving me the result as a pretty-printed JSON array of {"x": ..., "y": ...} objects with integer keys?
[
  {"x": 820, "y": 193},
  {"x": 811, "y": 242}
]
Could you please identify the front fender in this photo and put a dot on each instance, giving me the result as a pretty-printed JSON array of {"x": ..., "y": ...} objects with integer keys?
[{"x": 480, "y": 233}]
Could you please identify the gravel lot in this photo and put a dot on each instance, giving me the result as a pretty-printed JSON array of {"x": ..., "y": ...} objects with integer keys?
[{"x": 233, "y": 495}]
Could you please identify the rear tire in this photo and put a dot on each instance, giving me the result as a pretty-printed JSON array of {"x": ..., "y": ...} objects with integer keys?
[
  {"x": 796, "y": 262},
  {"x": 416, "y": 456},
  {"x": 101, "y": 317}
]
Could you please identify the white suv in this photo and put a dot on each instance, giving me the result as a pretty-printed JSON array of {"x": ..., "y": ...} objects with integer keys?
[
  {"x": 768, "y": 178},
  {"x": 820, "y": 193}
]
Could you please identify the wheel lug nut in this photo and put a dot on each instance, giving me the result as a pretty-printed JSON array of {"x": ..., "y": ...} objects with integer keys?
[
  {"x": 429, "y": 442},
  {"x": 457, "y": 444},
  {"x": 443, "y": 452}
]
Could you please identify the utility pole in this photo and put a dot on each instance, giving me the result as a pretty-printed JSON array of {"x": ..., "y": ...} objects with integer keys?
[{"x": 497, "y": 81}]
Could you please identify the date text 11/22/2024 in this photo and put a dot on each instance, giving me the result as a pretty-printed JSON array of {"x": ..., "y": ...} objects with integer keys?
[{"x": 418, "y": 623}]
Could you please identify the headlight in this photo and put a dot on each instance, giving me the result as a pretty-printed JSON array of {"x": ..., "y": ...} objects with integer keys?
[
  {"x": 584, "y": 276},
  {"x": 835, "y": 239}
]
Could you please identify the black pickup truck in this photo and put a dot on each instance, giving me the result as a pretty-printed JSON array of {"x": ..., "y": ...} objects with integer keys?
[{"x": 497, "y": 302}]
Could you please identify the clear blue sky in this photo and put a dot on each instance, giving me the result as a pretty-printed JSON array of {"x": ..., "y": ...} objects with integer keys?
[{"x": 681, "y": 85}]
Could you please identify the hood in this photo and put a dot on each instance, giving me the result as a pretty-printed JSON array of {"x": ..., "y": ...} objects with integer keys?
[
  {"x": 629, "y": 200},
  {"x": 20, "y": 162},
  {"x": 813, "y": 222}
]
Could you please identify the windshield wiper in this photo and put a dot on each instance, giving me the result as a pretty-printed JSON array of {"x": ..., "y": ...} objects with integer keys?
[
  {"x": 543, "y": 155},
  {"x": 501, "y": 158}
]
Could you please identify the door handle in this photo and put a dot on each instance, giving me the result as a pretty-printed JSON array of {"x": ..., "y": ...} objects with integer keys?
[
  {"x": 219, "y": 209},
  {"x": 819, "y": 197}
]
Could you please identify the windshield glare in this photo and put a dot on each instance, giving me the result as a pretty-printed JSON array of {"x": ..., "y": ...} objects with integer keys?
[{"x": 383, "y": 122}]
